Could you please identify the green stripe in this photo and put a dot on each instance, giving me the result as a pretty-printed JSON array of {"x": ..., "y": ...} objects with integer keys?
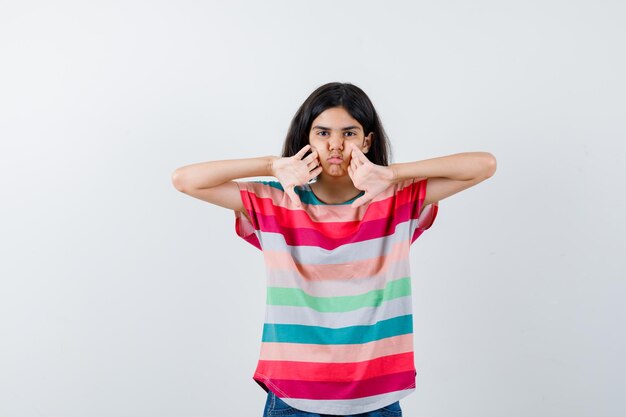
[{"x": 280, "y": 296}]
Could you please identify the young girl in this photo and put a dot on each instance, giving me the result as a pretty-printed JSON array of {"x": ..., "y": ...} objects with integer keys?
[{"x": 335, "y": 230}]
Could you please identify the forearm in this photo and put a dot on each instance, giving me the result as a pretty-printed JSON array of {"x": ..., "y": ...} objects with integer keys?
[
  {"x": 213, "y": 173},
  {"x": 460, "y": 166}
]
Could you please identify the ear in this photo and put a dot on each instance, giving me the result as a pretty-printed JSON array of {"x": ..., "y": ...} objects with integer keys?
[{"x": 367, "y": 142}]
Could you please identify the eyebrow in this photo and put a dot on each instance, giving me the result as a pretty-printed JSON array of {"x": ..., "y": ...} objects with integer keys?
[{"x": 328, "y": 128}]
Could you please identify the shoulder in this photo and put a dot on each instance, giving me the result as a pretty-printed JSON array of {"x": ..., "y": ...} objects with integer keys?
[{"x": 258, "y": 186}]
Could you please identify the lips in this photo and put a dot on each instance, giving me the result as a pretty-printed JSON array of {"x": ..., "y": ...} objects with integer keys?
[{"x": 335, "y": 159}]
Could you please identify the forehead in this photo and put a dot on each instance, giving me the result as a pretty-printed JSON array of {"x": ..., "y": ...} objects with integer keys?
[{"x": 335, "y": 118}]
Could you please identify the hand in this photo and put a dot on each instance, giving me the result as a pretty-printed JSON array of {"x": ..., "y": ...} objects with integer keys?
[
  {"x": 293, "y": 170},
  {"x": 367, "y": 176}
]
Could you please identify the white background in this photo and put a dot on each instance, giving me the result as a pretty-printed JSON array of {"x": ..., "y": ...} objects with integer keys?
[{"x": 120, "y": 296}]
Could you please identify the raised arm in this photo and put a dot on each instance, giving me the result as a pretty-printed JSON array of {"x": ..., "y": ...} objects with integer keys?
[
  {"x": 448, "y": 175},
  {"x": 213, "y": 181},
  {"x": 445, "y": 175}
]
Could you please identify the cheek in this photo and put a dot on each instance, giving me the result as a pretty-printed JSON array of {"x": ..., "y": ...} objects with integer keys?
[{"x": 314, "y": 142}]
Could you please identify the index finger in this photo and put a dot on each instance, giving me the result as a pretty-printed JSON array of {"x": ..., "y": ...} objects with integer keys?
[
  {"x": 302, "y": 151},
  {"x": 359, "y": 153}
]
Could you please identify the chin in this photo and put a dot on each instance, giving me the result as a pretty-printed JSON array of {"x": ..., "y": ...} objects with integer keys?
[
  {"x": 334, "y": 171},
  {"x": 337, "y": 174}
]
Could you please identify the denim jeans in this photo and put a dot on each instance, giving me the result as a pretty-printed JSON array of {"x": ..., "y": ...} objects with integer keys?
[{"x": 275, "y": 407}]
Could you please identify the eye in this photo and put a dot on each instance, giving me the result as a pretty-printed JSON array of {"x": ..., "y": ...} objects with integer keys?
[{"x": 323, "y": 132}]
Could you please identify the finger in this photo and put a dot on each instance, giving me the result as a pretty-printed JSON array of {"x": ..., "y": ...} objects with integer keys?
[
  {"x": 360, "y": 156},
  {"x": 302, "y": 151},
  {"x": 316, "y": 172},
  {"x": 357, "y": 158},
  {"x": 354, "y": 157},
  {"x": 313, "y": 155},
  {"x": 350, "y": 171}
]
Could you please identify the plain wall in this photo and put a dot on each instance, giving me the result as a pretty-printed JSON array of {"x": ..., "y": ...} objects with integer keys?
[{"x": 120, "y": 296}]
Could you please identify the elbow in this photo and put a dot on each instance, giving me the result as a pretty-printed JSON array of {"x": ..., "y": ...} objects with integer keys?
[
  {"x": 490, "y": 165},
  {"x": 177, "y": 180}
]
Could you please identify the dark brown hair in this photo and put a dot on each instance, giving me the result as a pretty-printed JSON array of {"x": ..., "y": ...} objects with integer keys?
[{"x": 355, "y": 102}]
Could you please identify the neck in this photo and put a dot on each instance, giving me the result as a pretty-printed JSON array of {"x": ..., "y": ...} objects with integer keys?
[
  {"x": 337, "y": 189},
  {"x": 335, "y": 184}
]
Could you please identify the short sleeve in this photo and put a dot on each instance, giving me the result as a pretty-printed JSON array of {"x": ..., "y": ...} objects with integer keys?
[
  {"x": 262, "y": 200},
  {"x": 248, "y": 229},
  {"x": 422, "y": 216}
]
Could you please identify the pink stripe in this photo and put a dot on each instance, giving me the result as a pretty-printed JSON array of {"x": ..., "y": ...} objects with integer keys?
[
  {"x": 272, "y": 351},
  {"x": 367, "y": 230},
  {"x": 337, "y": 286},
  {"x": 355, "y": 269},
  {"x": 316, "y": 390},
  {"x": 246, "y": 230},
  {"x": 267, "y": 201},
  {"x": 303, "y": 228},
  {"x": 327, "y": 213},
  {"x": 338, "y": 371}
]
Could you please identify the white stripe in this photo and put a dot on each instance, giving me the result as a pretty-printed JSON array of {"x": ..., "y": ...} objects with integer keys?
[
  {"x": 349, "y": 252},
  {"x": 348, "y": 407}
]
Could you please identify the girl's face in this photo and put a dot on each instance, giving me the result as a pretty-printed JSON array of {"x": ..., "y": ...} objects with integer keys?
[{"x": 331, "y": 133}]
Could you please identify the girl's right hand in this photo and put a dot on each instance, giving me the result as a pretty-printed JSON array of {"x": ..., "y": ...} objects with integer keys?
[{"x": 293, "y": 170}]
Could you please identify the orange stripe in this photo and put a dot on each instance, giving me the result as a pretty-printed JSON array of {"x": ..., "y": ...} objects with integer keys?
[
  {"x": 365, "y": 268},
  {"x": 274, "y": 351}
]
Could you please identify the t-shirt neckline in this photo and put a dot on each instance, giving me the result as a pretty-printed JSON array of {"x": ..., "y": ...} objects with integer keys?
[{"x": 308, "y": 187}]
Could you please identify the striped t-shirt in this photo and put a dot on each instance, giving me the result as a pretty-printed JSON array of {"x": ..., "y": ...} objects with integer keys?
[{"x": 338, "y": 330}]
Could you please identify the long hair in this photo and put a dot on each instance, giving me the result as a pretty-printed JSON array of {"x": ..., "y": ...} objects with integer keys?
[{"x": 355, "y": 102}]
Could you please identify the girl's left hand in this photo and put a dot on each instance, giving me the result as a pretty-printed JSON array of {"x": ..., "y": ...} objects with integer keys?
[{"x": 367, "y": 176}]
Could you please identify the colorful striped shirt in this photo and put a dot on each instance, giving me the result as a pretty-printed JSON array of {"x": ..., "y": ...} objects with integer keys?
[{"x": 338, "y": 330}]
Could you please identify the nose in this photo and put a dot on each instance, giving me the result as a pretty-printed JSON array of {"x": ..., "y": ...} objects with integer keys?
[{"x": 336, "y": 142}]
